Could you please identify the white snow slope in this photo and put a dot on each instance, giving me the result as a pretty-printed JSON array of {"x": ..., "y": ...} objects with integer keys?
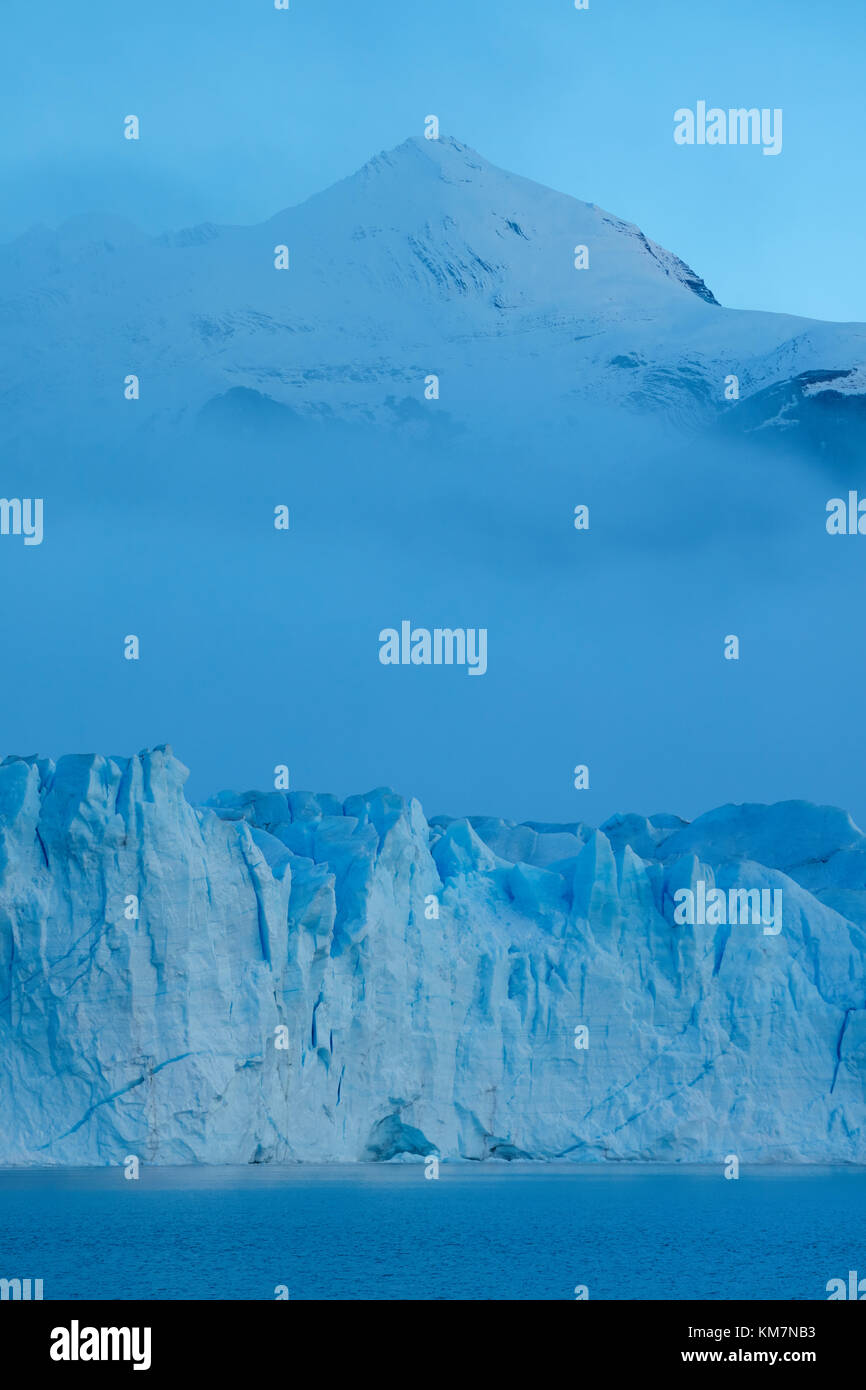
[{"x": 428, "y": 260}]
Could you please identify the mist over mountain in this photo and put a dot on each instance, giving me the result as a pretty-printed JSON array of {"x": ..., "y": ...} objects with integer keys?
[
  {"x": 428, "y": 260},
  {"x": 312, "y": 389}
]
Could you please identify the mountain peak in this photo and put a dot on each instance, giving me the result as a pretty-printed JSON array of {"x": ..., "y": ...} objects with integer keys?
[
  {"x": 515, "y": 238},
  {"x": 444, "y": 157},
  {"x": 444, "y": 150},
  {"x": 427, "y": 255}
]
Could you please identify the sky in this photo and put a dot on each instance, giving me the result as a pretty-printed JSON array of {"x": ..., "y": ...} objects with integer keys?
[{"x": 245, "y": 110}]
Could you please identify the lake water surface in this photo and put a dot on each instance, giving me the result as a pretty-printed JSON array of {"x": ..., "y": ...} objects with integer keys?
[{"x": 505, "y": 1231}]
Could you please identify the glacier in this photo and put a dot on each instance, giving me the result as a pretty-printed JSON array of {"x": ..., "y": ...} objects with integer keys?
[{"x": 287, "y": 977}]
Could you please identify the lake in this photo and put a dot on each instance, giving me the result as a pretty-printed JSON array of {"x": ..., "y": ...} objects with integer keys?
[{"x": 501, "y": 1231}]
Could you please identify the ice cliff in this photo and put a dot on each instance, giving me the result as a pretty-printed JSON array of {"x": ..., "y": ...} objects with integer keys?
[{"x": 287, "y": 991}]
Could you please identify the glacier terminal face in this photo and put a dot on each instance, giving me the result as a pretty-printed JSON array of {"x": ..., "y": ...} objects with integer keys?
[{"x": 281, "y": 976}]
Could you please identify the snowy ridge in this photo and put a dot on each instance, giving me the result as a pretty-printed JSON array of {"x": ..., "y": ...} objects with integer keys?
[
  {"x": 428, "y": 260},
  {"x": 406, "y": 1033}
]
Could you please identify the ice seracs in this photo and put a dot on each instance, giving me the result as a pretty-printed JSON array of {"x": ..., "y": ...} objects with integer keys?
[{"x": 282, "y": 990}]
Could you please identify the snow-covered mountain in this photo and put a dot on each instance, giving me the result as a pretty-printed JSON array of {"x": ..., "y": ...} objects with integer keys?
[
  {"x": 429, "y": 260},
  {"x": 282, "y": 976}
]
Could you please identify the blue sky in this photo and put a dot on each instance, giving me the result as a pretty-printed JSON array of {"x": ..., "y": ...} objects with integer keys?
[{"x": 246, "y": 109}]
